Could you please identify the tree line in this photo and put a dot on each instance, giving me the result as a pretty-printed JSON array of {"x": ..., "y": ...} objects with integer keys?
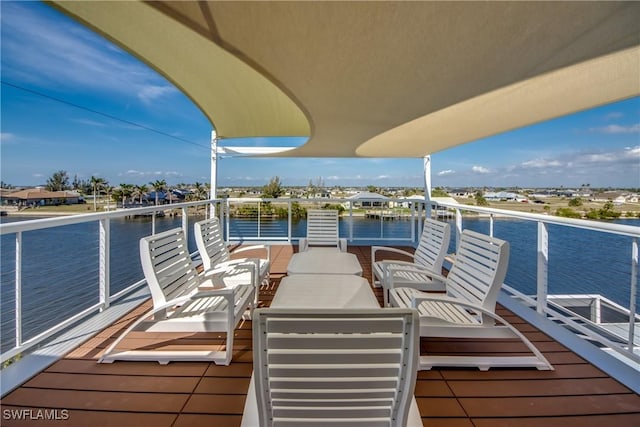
[{"x": 96, "y": 186}]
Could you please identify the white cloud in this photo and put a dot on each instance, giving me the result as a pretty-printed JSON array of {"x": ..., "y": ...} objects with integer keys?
[
  {"x": 89, "y": 122},
  {"x": 480, "y": 169},
  {"x": 149, "y": 94},
  {"x": 541, "y": 163},
  {"x": 134, "y": 172},
  {"x": 614, "y": 115},
  {"x": 617, "y": 129},
  {"x": 446, "y": 172},
  {"x": 74, "y": 56},
  {"x": 6, "y": 137}
]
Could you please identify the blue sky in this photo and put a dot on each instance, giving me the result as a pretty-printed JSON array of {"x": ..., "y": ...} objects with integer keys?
[{"x": 51, "y": 66}]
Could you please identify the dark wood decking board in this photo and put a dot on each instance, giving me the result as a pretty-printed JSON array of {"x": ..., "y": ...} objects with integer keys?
[{"x": 197, "y": 393}]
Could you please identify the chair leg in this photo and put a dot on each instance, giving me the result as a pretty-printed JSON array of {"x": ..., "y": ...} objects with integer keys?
[{"x": 229, "y": 347}]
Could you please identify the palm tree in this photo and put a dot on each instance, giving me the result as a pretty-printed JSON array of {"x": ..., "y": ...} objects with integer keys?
[
  {"x": 158, "y": 185},
  {"x": 97, "y": 184},
  {"x": 138, "y": 192},
  {"x": 125, "y": 191},
  {"x": 201, "y": 191}
]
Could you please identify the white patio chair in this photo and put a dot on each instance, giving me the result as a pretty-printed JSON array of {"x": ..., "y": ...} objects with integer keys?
[
  {"x": 354, "y": 367},
  {"x": 428, "y": 257},
  {"x": 322, "y": 230},
  {"x": 184, "y": 301},
  {"x": 216, "y": 255},
  {"x": 467, "y": 310}
]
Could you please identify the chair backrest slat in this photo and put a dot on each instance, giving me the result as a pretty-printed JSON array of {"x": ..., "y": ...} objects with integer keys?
[
  {"x": 167, "y": 266},
  {"x": 322, "y": 227},
  {"x": 433, "y": 245},
  {"x": 479, "y": 269},
  {"x": 208, "y": 235},
  {"x": 320, "y": 367}
]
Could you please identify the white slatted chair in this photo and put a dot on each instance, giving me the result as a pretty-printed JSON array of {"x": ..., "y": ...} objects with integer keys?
[
  {"x": 184, "y": 301},
  {"x": 340, "y": 367},
  {"x": 467, "y": 310},
  {"x": 428, "y": 256},
  {"x": 322, "y": 230},
  {"x": 216, "y": 255}
]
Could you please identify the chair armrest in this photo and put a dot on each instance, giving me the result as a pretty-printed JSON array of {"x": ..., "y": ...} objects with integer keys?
[
  {"x": 214, "y": 293},
  {"x": 217, "y": 273},
  {"x": 413, "y": 268},
  {"x": 375, "y": 249},
  {"x": 267, "y": 248}
]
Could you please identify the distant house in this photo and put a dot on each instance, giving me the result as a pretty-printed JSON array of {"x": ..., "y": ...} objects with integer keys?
[
  {"x": 607, "y": 196},
  {"x": 620, "y": 200},
  {"x": 500, "y": 196},
  {"x": 461, "y": 192},
  {"x": 41, "y": 197}
]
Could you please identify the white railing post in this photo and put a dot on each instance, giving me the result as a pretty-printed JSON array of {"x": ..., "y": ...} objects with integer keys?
[
  {"x": 458, "y": 227},
  {"x": 185, "y": 221},
  {"x": 542, "y": 267},
  {"x": 104, "y": 278},
  {"x": 153, "y": 222},
  {"x": 350, "y": 221},
  {"x": 259, "y": 218},
  {"x": 633, "y": 291},
  {"x": 18, "y": 301},
  {"x": 419, "y": 209},
  {"x": 413, "y": 221},
  {"x": 289, "y": 220},
  {"x": 224, "y": 214},
  {"x": 491, "y": 225}
]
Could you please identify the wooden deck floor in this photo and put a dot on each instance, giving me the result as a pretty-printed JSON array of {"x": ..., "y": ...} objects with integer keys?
[{"x": 80, "y": 392}]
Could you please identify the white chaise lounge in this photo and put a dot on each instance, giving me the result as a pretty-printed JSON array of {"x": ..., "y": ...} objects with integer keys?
[
  {"x": 184, "y": 301},
  {"x": 467, "y": 310},
  {"x": 333, "y": 367},
  {"x": 428, "y": 258},
  {"x": 215, "y": 254},
  {"x": 322, "y": 231}
]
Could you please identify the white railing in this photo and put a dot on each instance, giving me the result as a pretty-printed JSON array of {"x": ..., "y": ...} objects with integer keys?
[
  {"x": 77, "y": 311},
  {"x": 260, "y": 227},
  {"x": 95, "y": 282},
  {"x": 592, "y": 330},
  {"x": 283, "y": 225}
]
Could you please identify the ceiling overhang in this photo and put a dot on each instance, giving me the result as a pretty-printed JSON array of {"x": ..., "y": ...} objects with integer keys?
[{"x": 380, "y": 79}]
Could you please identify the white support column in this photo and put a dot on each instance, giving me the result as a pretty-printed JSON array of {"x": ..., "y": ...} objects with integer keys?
[
  {"x": 543, "y": 262},
  {"x": 427, "y": 185},
  {"x": 214, "y": 170}
]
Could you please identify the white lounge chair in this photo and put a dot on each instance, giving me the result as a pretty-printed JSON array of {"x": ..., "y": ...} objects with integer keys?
[
  {"x": 353, "y": 367},
  {"x": 322, "y": 230},
  {"x": 216, "y": 255},
  {"x": 184, "y": 301},
  {"x": 467, "y": 310},
  {"x": 428, "y": 257}
]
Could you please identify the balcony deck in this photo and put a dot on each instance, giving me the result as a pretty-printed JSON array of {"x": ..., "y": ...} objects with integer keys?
[{"x": 193, "y": 393}]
